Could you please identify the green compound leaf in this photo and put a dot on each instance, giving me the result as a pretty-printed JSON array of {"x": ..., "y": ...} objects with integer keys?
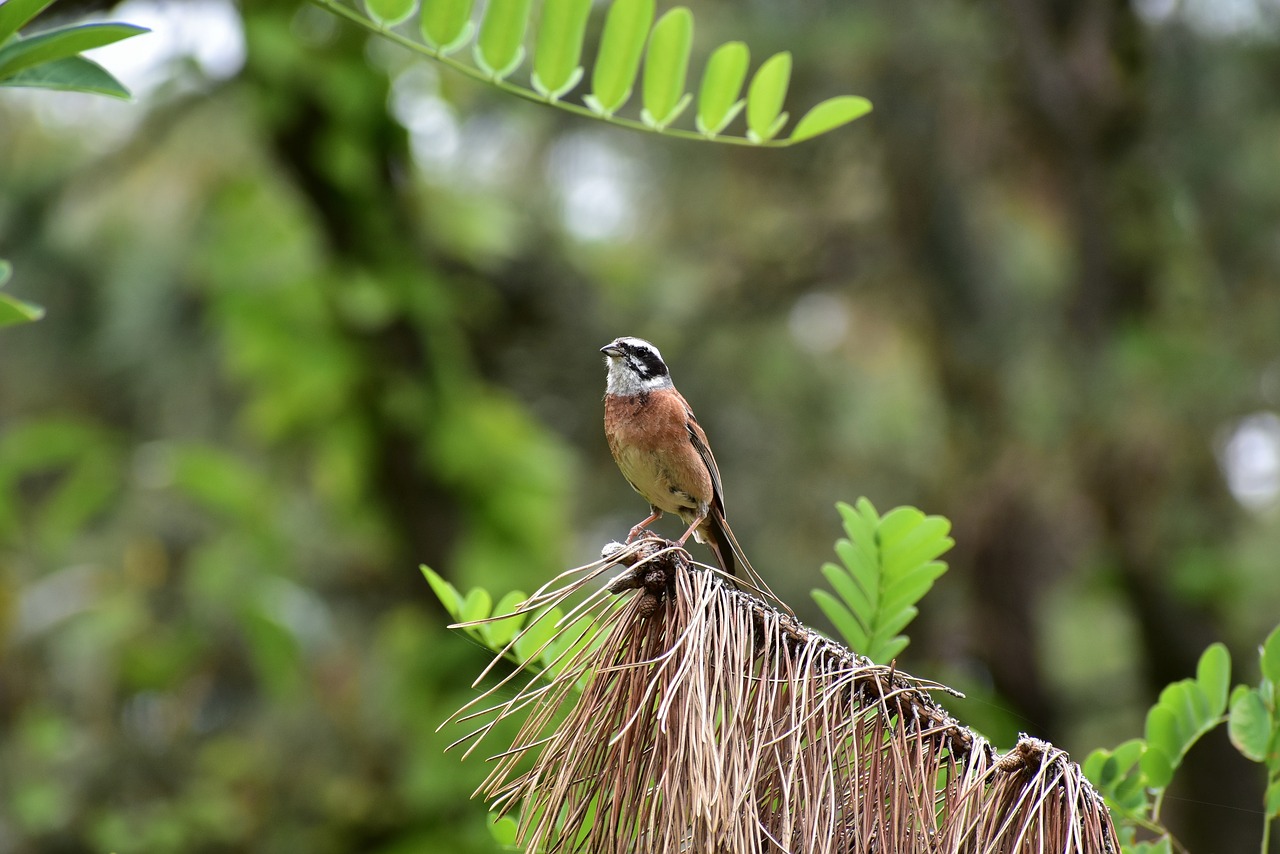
[
  {"x": 718, "y": 100},
  {"x": 556, "y": 57},
  {"x": 499, "y": 48},
  {"x": 765, "y": 96},
  {"x": 625, "y": 29},
  {"x": 22, "y": 53},
  {"x": 665, "y": 67},
  {"x": 889, "y": 564},
  {"x": 829, "y": 115},
  {"x": 389, "y": 13},
  {"x": 446, "y": 24}
]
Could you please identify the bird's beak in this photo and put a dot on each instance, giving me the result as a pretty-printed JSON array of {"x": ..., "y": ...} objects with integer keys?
[{"x": 611, "y": 349}]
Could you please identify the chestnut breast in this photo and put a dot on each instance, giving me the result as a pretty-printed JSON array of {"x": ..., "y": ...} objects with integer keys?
[{"x": 649, "y": 438}]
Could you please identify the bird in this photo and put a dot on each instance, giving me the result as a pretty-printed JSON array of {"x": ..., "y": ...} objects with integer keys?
[{"x": 661, "y": 448}]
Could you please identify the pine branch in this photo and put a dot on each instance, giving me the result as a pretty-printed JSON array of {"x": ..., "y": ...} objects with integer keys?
[{"x": 706, "y": 719}]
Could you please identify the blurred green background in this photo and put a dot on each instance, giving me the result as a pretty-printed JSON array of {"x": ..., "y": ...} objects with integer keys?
[{"x": 319, "y": 312}]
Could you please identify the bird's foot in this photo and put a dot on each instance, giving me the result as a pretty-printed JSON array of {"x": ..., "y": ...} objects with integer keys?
[{"x": 639, "y": 532}]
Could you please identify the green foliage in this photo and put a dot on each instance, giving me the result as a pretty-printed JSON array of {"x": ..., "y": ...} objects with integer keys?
[
  {"x": 1118, "y": 777},
  {"x": 540, "y": 639},
  {"x": 1254, "y": 722},
  {"x": 1134, "y": 776},
  {"x": 50, "y": 60},
  {"x": 79, "y": 466},
  {"x": 1185, "y": 711},
  {"x": 14, "y": 311},
  {"x": 889, "y": 564},
  {"x": 629, "y": 24}
]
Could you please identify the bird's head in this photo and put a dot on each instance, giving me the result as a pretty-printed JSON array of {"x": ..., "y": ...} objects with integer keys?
[{"x": 635, "y": 366}]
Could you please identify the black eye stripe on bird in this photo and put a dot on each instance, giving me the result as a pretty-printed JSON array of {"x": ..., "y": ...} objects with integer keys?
[{"x": 647, "y": 363}]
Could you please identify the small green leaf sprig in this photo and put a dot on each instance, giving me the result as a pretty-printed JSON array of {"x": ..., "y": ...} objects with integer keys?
[
  {"x": 889, "y": 563},
  {"x": 1134, "y": 776},
  {"x": 630, "y": 37}
]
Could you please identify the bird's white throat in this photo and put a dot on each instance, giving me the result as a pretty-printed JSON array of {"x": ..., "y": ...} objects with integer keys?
[{"x": 623, "y": 379}]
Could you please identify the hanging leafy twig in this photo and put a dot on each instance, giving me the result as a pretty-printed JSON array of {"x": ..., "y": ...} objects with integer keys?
[{"x": 629, "y": 37}]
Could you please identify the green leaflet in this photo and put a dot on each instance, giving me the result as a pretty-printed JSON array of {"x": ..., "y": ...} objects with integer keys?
[
  {"x": 1250, "y": 723},
  {"x": 535, "y": 638},
  {"x": 477, "y": 605},
  {"x": 556, "y": 67},
  {"x": 503, "y": 829},
  {"x": 765, "y": 96},
  {"x": 722, "y": 81},
  {"x": 499, "y": 47},
  {"x": 1118, "y": 777},
  {"x": 15, "y": 13},
  {"x": 71, "y": 74},
  {"x": 14, "y": 311},
  {"x": 665, "y": 67},
  {"x": 497, "y": 634},
  {"x": 57, "y": 44},
  {"x": 446, "y": 24},
  {"x": 445, "y": 592},
  {"x": 625, "y": 29},
  {"x": 388, "y": 13},
  {"x": 829, "y": 115},
  {"x": 1271, "y": 657}
]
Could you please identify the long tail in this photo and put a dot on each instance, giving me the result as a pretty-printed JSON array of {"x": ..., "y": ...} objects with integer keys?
[
  {"x": 726, "y": 548},
  {"x": 721, "y": 541}
]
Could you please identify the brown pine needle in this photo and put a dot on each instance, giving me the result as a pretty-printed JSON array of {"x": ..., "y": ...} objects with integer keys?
[{"x": 705, "y": 719}]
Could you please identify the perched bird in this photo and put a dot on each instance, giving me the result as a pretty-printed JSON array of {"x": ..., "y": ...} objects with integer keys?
[{"x": 660, "y": 447}]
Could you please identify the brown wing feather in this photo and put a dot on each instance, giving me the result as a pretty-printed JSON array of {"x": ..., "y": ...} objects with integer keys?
[{"x": 699, "y": 439}]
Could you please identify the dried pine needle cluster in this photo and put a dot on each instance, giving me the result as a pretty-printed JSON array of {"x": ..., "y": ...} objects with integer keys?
[{"x": 692, "y": 717}]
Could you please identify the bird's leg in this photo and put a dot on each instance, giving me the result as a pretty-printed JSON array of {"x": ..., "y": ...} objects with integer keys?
[
  {"x": 654, "y": 515},
  {"x": 696, "y": 522}
]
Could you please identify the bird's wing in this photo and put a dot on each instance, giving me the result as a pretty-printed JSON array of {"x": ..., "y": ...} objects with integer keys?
[{"x": 699, "y": 439}]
